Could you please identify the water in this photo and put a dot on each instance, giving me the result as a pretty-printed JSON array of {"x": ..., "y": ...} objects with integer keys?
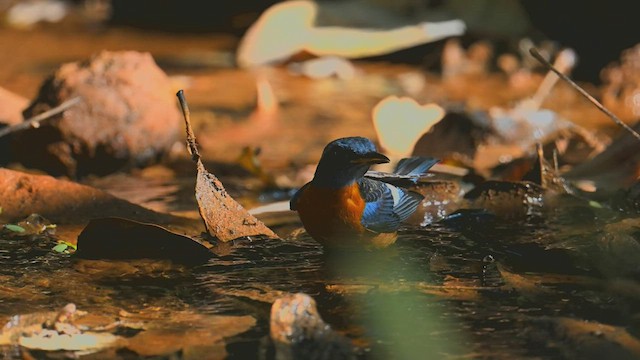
[{"x": 475, "y": 286}]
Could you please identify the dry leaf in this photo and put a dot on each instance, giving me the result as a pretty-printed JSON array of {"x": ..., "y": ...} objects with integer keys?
[
  {"x": 67, "y": 203},
  {"x": 400, "y": 122},
  {"x": 223, "y": 217},
  {"x": 116, "y": 238}
]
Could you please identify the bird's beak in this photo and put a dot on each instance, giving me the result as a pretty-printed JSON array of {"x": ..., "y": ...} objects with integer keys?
[{"x": 371, "y": 158}]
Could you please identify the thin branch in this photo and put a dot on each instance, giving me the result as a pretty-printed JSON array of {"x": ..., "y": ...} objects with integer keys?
[
  {"x": 35, "y": 121},
  {"x": 564, "y": 63},
  {"x": 191, "y": 138},
  {"x": 534, "y": 52}
]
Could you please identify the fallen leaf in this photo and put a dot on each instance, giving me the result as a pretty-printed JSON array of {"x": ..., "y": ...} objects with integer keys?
[
  {"x": 71, "y": 205},
  {"x": 116, "y": 238},
  {"x": 223, "y": 217},
  {"x": 60, "y": 248},
  {"x": 525, "y": 285},
  {"x": 14, "y": 228},
  {"x": 400, "y": 122}
]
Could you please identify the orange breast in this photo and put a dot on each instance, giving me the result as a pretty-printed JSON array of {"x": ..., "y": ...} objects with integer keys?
[{"x": 331, "y": 213}]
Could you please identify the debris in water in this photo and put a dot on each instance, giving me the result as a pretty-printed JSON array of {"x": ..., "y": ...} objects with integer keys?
[
  {"x": 35, "y": 224},
  {"x": 63, "y": 334},
  {"x": 223, "y": 217},
  {"x": 116, "y": 238}
]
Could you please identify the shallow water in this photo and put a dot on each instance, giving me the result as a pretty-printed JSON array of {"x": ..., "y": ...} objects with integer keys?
[{"x": 473, "y": 286}]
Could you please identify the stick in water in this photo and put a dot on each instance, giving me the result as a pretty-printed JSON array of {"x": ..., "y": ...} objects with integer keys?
[
  {"x": 35, "y": 121},
  {"x": 191, "y": 138},
  {"x": 534, "y": 52}
]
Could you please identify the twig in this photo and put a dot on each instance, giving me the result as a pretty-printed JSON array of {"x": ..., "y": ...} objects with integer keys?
[
  {"x": 564, "y": 63},
  {"x": 534, "y": 52},
  {"x": 35, "y": 121},
  {"x": 191, "y": 138},
  {"x": 555, "y": 160}
]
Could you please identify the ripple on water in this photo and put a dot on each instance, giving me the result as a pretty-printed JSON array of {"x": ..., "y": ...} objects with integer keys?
[{"x": 443, "y": 283}]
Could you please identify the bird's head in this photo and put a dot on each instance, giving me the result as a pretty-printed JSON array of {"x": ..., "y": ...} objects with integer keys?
[{"x": 346, "y": 160}]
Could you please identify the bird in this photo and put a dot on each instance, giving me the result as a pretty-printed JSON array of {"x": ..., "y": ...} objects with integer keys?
[{"x": 341, "y": 207}]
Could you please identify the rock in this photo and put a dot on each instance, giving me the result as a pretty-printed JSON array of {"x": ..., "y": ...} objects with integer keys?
[
  {"x": 11, "y": 107},
  {"x": 128, "y": 116},
  {"x": 299, "y": 332}
]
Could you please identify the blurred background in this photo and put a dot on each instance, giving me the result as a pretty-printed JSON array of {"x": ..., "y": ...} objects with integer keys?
[
  {"x": 598, "y": 31},
  {"x": 196, "y": 44}
]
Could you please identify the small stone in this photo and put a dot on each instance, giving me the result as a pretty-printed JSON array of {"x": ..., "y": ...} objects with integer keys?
[{"x": 299, "y": 332}]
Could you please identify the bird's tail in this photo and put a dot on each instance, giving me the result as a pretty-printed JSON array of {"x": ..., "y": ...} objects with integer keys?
[{"x": 414, "y": 165}]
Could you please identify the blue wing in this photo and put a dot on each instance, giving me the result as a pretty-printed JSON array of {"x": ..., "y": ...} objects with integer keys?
[
  {"x": 386, "y": 206},
  {"x": 414, "y": 165},
  {"x": 408, "y": 172}
]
